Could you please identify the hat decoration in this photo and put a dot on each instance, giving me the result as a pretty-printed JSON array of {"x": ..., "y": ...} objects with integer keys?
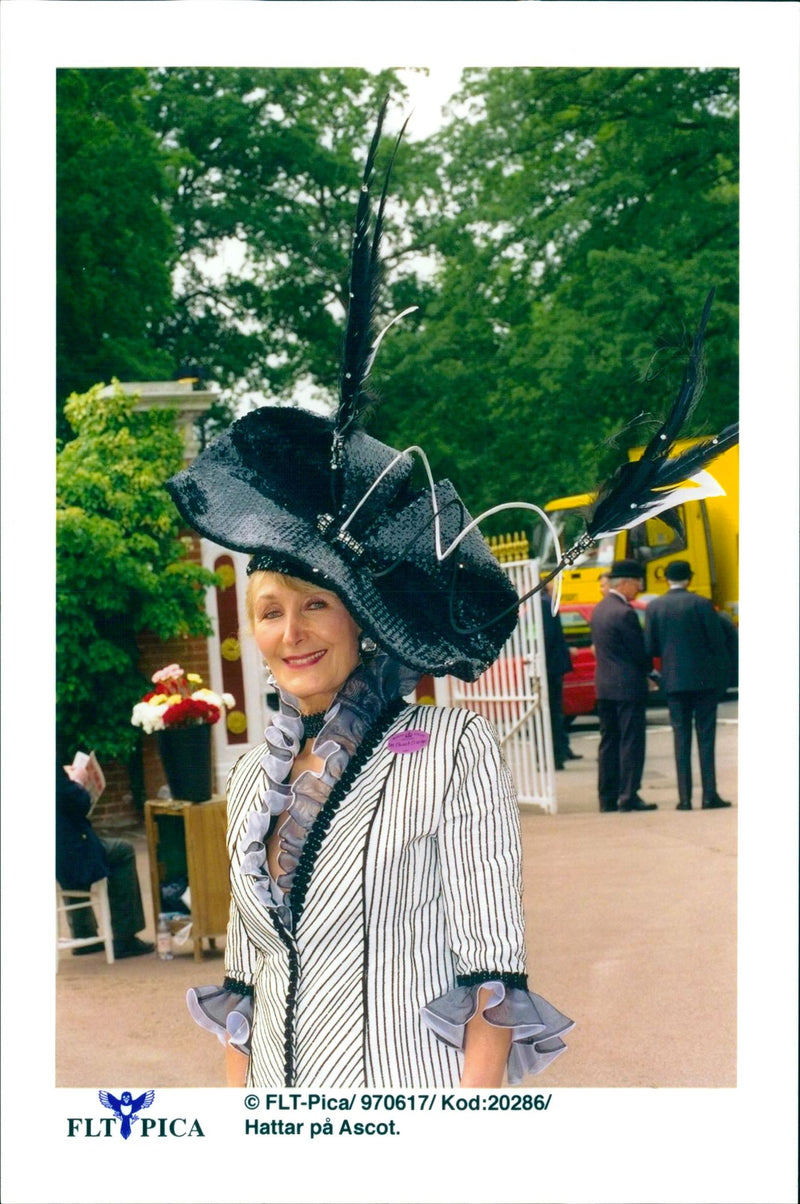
[{"x": 320, "y": 499}]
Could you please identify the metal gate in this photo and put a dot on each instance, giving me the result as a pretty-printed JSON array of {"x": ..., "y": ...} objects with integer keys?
[{"x": 512, "y": 695}]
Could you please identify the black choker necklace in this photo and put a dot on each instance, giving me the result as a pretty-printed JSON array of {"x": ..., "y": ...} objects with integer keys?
[{"x": 312, "y": 725}]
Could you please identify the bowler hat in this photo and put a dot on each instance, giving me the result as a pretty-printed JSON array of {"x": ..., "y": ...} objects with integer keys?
[
  {"x": 678, "y": 570},
  {"x": 627, "y": 568}
]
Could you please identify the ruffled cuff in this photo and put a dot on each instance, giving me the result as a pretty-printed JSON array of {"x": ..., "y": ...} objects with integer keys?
[
  {"x": 536, "y": 1026},
  {"x": 225, "y": 1012}
]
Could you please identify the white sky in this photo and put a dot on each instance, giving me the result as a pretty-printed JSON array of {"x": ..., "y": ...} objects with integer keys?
[{"x": 427, "y": 96}]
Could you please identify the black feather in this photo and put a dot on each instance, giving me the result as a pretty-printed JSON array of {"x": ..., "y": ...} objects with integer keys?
[
  {"x": 682, "y": 467},
  {"x": 630, "y": 495},
  {"x": 361, "y": 336},
  {"x": 364, "y": 281}
]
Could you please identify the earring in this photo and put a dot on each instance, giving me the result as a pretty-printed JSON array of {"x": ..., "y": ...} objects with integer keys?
[
  {"x": 367, "y": 647},
  {"x": 270, "y": 675}
]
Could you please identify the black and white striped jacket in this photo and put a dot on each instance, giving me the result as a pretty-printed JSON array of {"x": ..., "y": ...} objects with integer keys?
[{"x": 410, "y": 881}]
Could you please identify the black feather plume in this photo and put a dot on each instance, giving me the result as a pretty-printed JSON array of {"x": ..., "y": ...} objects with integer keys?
[
  {"x": 361, "y": 335},
  {"x": 364, "y": 282}
]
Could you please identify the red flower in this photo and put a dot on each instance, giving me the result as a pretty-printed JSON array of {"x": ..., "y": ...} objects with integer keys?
[{"x": 190, "y": 712}]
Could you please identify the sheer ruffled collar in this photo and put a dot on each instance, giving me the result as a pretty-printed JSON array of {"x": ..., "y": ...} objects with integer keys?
[{"x": 369, "y": 689}]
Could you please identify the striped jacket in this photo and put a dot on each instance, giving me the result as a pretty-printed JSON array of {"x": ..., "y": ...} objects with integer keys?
[{"x": 409, "y": 882}]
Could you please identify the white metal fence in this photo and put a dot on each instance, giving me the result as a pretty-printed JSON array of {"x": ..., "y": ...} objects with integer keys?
[{"x": 512, "y": 695}]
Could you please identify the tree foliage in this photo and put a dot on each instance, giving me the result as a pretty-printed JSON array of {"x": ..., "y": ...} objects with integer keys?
[
  {"x": 204, "y": 219},
  {"x": 115, "y": 246},
  {"x": 265, "y": 168},
  {"x": 122, "y": 567},
  {"x": 580, "y": 217}
]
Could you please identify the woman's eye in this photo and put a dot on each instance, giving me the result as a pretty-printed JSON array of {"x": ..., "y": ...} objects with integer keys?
[{"x": 316, "y": 604}]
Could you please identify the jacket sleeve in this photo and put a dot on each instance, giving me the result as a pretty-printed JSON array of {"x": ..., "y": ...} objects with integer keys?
[
  {"x": 635, "y": 641},
  {"x": 651, "y": 634},
  {"x": 227, "y": 1010},
  {"x": 72, "y": 800},
  {"x": 480, "y": 850},
  {"x": 713, "y": 629}
]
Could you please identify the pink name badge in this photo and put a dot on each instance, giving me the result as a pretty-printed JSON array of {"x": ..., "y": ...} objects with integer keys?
[{"x": 408, "y": 742}]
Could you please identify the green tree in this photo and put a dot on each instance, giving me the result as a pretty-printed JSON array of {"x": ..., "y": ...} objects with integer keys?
[
  {"x": 115, "y": 242},
  {"x": 579, "y": 219},
  {"x": 122, "y": 566},
  {"x": 265, "y": 166}
]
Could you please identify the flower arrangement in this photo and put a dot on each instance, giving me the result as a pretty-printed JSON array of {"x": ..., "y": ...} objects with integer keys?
[{"x": 178, "y": 700}]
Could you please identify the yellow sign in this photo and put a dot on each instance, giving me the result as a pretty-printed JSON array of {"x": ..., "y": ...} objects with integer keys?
[{"x": 230, "y": 649}]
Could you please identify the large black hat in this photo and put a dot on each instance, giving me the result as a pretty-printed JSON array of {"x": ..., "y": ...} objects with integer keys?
[{"x": 264, "y": 487}]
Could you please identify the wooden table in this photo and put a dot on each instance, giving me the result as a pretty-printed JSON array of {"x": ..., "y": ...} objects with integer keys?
[{"x": 188, "y": 840}]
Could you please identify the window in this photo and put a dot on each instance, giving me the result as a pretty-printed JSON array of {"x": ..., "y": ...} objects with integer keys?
[
  {"x": 570, "y": 526},
  {"x": 655, "y": 538}
]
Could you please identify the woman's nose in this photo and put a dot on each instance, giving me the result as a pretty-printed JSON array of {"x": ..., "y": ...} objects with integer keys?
[{"x": 293, "y": 628}]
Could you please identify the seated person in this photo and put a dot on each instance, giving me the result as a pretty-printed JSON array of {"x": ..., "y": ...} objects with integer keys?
[{"x": 82, "y": 857}]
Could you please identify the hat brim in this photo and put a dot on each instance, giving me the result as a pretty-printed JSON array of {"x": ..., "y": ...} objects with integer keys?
[{"x": 407, "y": 611}]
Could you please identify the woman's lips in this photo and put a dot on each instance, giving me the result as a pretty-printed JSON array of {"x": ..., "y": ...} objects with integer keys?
[{"x": 303, "y": 662}]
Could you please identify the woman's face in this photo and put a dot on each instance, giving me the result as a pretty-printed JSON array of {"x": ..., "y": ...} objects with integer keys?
[{"x": 307, "y": 637}]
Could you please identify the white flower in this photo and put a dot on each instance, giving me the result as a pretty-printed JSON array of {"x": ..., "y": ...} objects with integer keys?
[
  {"x": 148, "y": 717},
  {"x": 229, "y": 700}
]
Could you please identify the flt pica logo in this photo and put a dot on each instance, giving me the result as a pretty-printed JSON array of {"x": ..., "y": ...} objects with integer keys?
[
  {"x": 126, "y": 1108},
  {"x": 126, "y": 1111}
]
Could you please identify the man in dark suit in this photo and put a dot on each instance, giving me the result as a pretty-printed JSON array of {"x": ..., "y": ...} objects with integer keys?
[
  {"x": 621, "y": 684},
  {"x": 686, "y": 632},
  {"x": 82, "y": 857}
]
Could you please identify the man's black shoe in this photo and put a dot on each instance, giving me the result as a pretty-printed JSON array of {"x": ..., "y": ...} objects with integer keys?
[
  {"x": 684, "y": 807},
  {"x": 639, "y": 805},
  {"x": 713, "y": 803},
  {"x": 571, "y": 756},
  {"x": 609, "y": 807},
  {"x": 132, "y": 947},
  {"x": 97, "y": 947}
]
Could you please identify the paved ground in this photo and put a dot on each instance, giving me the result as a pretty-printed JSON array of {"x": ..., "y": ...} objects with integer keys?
[{"x": 632, "y": 932}]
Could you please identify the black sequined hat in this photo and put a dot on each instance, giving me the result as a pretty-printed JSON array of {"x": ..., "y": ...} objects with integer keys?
[{"x": 264, "y": 487}]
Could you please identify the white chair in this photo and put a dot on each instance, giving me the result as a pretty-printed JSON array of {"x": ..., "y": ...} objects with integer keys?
[{"x": 96, "y": 898}]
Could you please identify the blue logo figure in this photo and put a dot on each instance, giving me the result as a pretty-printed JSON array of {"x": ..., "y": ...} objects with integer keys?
[{"x": 127, "y": 1108}]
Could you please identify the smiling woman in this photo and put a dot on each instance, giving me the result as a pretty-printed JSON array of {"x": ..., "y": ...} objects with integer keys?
[{"x": 376, "y": 936}]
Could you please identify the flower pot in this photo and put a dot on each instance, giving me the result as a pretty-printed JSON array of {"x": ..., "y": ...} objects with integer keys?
[{"x": 186, "y": 757}]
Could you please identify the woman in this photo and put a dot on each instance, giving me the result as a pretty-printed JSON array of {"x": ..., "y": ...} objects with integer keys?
[{"x": 376, "y": 935}]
